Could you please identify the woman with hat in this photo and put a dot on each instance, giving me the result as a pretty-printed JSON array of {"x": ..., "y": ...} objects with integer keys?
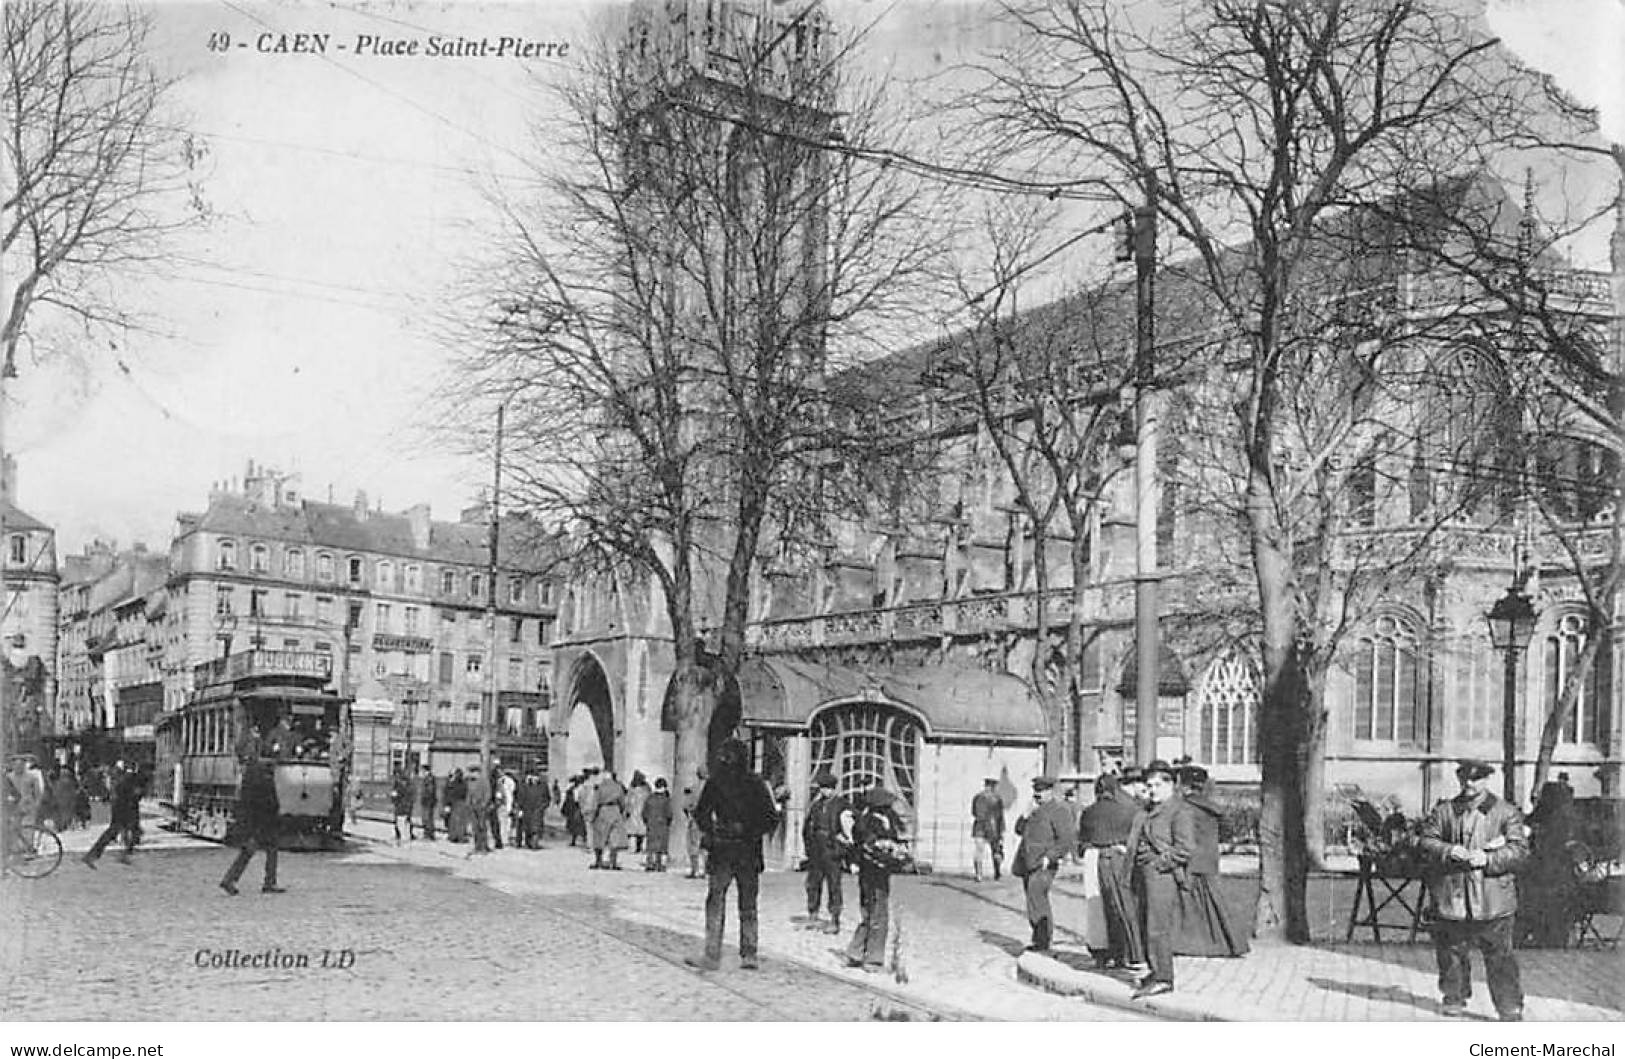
[
  {"x": 1205, "y": 927},
  {"x": 1105, "y": 827}
]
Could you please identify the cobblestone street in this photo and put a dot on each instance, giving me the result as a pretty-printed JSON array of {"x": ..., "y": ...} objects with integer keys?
[{"x": 431, "y": 931}]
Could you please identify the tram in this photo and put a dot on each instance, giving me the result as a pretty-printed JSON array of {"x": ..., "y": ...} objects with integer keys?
[{"x": 196, "y": 745}]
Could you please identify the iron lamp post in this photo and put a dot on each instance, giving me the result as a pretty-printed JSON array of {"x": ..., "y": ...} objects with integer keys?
[{"x": 1512, "y": 623}]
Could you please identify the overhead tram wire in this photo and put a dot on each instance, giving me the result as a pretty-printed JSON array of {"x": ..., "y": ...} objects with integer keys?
[{"x": 442, "y": 119}]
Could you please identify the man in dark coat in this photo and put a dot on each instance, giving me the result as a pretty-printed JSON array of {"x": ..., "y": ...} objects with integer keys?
[
  {"x": 258, "y": 819},
  {"x": 1106, "y": 826},
  {"x": 1475, "y": 843},
  {"x": 1205, "y": 926},
  {"x": 1162, "y": 843},
  {"x": 987, "y": 826},
  {"x": 479, "y": 810},
  {"x": 428, "y": 800},
  {"x": 657, "y": 815},
  {"x": 826, "y": 833},
  {"x": 734, "y": 813},
  {"x": 126, "y": 819},
  {"x": 1047, "y": 837},
  {"x": 877, "y": 840}
]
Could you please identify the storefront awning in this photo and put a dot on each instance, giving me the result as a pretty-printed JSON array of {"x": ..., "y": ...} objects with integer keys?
[{"x": 953, "y": 702}]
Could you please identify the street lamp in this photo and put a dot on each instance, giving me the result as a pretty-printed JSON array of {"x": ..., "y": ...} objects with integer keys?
[{"x": 1512, "y": 622}]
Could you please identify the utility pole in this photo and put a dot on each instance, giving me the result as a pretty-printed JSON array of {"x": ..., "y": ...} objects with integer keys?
[
  {"x": 6, "y": 709},
  {"x": 1145, "y": 477},
  {"x": 488, "y": 708}
]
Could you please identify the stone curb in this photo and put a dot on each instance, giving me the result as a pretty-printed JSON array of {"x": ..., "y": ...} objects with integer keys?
[{"x": 1053, "y": 976}]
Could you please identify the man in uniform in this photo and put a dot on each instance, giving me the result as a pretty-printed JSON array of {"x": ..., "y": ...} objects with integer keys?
[
  {"x": 1047, "y": 836},
  {"x": 1162, "y": 842},
  {"x": 987, "y": 826},
  {"x": 1475, "y": 843},
  {"x": 825, "y": 834}
]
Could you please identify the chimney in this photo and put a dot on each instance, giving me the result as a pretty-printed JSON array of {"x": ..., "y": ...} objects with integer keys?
[
  {"x": 417, "y": 516},
  {"x": 8, "y": 480},
  {"x": 360, "y": 505}
]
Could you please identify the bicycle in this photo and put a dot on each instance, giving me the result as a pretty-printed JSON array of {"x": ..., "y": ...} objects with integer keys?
[{"x": 35, "y": 851}]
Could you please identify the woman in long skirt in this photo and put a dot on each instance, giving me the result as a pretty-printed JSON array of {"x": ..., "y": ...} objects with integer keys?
[{"x": 1204, "y": 926}]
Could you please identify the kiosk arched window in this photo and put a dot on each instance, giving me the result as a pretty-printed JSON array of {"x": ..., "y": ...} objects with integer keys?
[{"x": 865, "y": 742}]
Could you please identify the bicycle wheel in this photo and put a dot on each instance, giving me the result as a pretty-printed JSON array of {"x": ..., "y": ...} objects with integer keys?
[{"x": 38, "y": 852}]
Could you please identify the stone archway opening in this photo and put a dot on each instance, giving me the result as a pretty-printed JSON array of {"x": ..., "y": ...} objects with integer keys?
[{"x": 590, "y": 738}]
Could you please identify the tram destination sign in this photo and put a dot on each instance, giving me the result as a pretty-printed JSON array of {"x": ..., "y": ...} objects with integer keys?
[{"x": 277, "y": 663}]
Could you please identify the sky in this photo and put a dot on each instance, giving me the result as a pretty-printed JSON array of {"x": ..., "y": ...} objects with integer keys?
[{"x": 298, "y": 329}]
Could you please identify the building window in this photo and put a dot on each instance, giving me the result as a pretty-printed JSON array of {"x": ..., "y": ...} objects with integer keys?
[
  {"x": 411, "y": 621},
  {"x": 226, "y": 556},
  {"x": 1230, "y": 695},
  {"x": 385, "y": 619},
  {"x": 293, "y": 563},
  {"x": 472, "y": 665},
  {"x": 476, "y": 586},
  {"x": 414, "y": 578},
  {"x": 386, "y": 574},
  {"x": 259, "y": 558},
  {"x": 516, "y": 630},
  {"x": 448, "y": 582},
  {"x": 323, "y": 647},
  {"x": 446, "y": 663},
  {"x": 516, "y": 590},
  {"x": 354, "y": 621},
  {"x": 354, "y": 567},
  {"x": 544, "y": 592},
  {"x": 865, "y": 743},
  {"x": 1478, "y": 678},
  {"x": 295, "y": 604},
  {"x": 324, "y": 567},
  {"x": 324, "y": 608},
  {"x": 544, "y": 632},
  {"x": 259, "y": 603},
  {"x": 1588, "y": 720},
  {"x": 516, "y": 673},
  {"x": 222, "y": 600},
  {"x": 1386, "y": 682},
  {"x": 290, "y": 645},
  {"x": 19, "y": 550},
  {"x": 448, "y": 617}
]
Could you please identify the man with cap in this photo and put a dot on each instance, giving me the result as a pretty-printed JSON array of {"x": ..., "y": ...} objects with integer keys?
[
  {"x": 1132, "y": 783},
  {"x": 826, "y": 834},
  {"x": 1162, "y": 843},
  {"x": 987, "y": 826},
  {"x": 1475, "y": 842},
  {"x": 1047, "y": 836}
]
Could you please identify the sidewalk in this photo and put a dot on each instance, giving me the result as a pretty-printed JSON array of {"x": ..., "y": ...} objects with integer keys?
[
  {"x": 958, "y": 948},
  {"x": 962, "y": 942}
]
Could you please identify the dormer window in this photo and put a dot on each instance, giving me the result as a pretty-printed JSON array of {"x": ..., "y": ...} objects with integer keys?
[
  {"x": 259, "y": 558},
  {"x": 19, "y": 550},
  {"x": 414, "y": 578},
  {"x": 476, "y": 586},
  {"x": 225, "y": 557},
  {"x": 293, "y": 563},
  {"x": 516, "y": 590},
  {"x": 324, "y": 567},
  {"x": 355, "y": 569},
  {"x": 386, "y": 574}
]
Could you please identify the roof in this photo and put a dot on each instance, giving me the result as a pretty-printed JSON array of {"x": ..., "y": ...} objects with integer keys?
[
  {"x": 15, "y": 518},
  {"x": 339, "y": 527},
  {"x": 952, "y": 702}
]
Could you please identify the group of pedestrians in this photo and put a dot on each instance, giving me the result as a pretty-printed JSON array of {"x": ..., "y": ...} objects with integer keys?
[
  {"x": 609, "y": 817},
  {"x": 61, "y": 798},
  {"x": 1150, "y": 847},
  {"x": 490, "y": 810}
]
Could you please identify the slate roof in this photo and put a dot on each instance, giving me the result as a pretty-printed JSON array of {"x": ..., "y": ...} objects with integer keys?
[
  {"x": 15, "y": 518},
  {"x": 338, "y": 527}
]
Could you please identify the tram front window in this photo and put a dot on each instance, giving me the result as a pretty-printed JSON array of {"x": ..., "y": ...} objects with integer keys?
[{"x": 312, "y": 738}]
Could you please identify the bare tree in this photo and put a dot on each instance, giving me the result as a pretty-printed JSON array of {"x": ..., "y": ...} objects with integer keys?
[
  {"x": 97, "y": 176},
  {"x": 674, "y": 311},
  {"x": 1254, "y": 128}
]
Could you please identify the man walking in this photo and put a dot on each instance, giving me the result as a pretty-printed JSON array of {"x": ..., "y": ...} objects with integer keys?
[
  {"x": 735, "y": 811},
  {"x": 1162, "y": 843},
  {"x": 126, "y": 819},
  {"x": 258, "y": 818},
  {"x": 826, "y": 834},
  {"x": 1475, "y": 843},
  {"x": 987, "y": 827},
  {"x": 1047, "y": 836},
  {"x": 1106, "y": 826}
]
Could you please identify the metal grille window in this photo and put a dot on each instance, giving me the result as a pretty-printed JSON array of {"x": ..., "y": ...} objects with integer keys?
[
  {"x": 1230, "y": 696},
  {"x": 867, "y": 742},
  {"x": 1386, "y": 684}
]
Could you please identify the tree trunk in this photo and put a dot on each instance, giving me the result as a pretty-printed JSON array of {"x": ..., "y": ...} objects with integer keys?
[
  {"x": 694, "y": 701},
  {"x": 1314, "y": 774},
  {"x": 1282, "y": 913}
]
